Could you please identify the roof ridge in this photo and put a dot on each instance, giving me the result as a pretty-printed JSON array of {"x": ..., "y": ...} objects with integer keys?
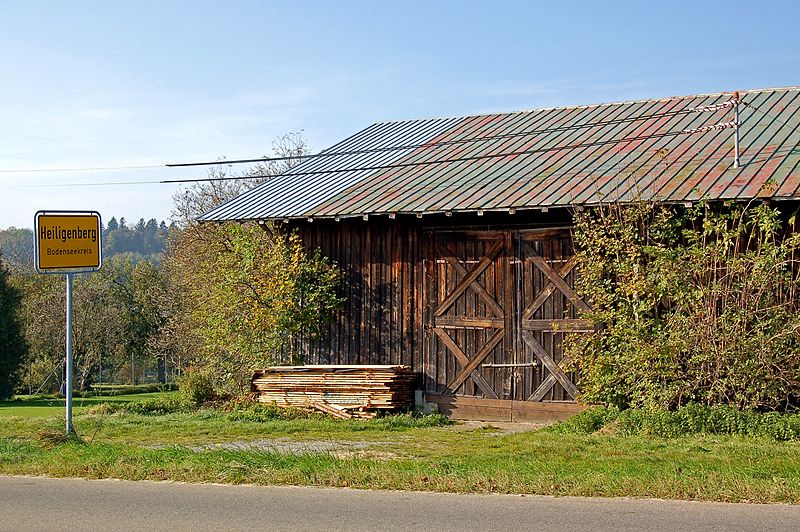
[{"x": 587, "y": 106}]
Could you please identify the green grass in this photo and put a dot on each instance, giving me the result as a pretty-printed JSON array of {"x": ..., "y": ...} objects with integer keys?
[
  {"x": 400, "y": 452},
  {"x": 51, "y": 406}
]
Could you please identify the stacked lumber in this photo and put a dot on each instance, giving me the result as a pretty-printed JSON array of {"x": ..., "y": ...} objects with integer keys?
[{"x": 341, "y": 391}]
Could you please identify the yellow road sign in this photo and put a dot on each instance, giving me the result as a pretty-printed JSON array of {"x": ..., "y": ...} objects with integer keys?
[{"x": 68, "y": 241}]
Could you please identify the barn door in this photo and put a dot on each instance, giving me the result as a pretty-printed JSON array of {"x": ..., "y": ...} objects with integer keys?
[
  {"x": 469, "y": 295},
  {"x": 548, "y": 310},
  {"x": 498, "y": 307}
]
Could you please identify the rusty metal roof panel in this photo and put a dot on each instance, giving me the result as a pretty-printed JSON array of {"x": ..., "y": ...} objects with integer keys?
[
  {"x": 675, "y": 149},
  {"x": 340, "y": 167}
]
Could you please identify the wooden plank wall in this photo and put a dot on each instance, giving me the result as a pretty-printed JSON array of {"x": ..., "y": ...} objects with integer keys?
[{"x": 381, "y": 320}]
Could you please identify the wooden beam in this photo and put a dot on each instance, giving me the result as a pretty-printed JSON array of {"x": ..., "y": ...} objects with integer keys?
[
  {"x": 462, "y": 407},
  {"x": 462, "y": 322},
  {"x": 485, "y": 387},
  {"x": 550, "y": 364},
  {"x": 555, "y": 325},
  {"x": 485, "y": 296},
  {"x": 556, "y": 279},
  {"x": 548, "y": 290},
  {"x": 477, "y": 408},
  {"x": 468, "y": 277},
  {"x": 490, "y": 344},
  {"x": 543, "y": 388}
]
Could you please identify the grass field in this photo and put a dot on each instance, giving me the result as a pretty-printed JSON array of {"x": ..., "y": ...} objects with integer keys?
[
  {"x": 399, "y": 452},
  {"x": 46, "y": 407}
]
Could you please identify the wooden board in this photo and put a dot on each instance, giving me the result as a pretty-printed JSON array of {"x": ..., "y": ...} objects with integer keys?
[
  {"x": 340, "y": 390},
  {"x": 480, "y": 409}
]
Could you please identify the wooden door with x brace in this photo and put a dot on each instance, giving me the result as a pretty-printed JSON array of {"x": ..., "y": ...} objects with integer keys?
[{"x": 498, "y": 305}]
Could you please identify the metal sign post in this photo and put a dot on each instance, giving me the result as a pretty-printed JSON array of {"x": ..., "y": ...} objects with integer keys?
[
  {"x": 68, "y": 386},
  {"x": 68, "y": 242}
]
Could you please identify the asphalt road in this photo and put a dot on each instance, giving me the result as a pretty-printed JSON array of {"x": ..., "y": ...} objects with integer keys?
[{"x": 32, "y": 503}]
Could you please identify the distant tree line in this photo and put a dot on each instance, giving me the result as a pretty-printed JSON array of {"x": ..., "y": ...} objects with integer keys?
[{"x": 144, "y": 240}]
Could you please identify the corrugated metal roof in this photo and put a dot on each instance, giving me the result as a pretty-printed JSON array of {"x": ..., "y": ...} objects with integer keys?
[{"x": 672, "y": 150}]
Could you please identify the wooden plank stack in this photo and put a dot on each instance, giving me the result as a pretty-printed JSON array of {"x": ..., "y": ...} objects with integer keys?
[{"x": 356, "y": 391}]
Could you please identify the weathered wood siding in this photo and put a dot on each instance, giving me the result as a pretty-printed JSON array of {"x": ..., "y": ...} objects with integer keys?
[
  {"x": 381, "y": 320},
  {"x": 475, "y": 310}
]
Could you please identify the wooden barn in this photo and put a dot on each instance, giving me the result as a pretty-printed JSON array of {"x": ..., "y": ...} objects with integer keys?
[{"x": 454, "y": 233}]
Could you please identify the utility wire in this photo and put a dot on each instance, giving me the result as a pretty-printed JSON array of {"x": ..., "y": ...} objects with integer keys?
[
  {"x": 500, "y": 136},
  {"x": 292, "y": 173},
  {"x": 605, "y": 167},
  {"x": 109, "y": 183},
  {"x": 778, "y": 120},
  {"x": 85, "y": 169},
  {"x": 705, "y": 129}
]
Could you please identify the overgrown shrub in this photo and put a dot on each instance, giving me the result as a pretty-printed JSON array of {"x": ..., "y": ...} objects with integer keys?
[
  {"x": 249, "y": 292},
  {"x": 170, "y": 404},
  {"x": 103, "y": 390},
  {"x": 263, "y": 412},
  {"x": 197, "y": 388},
  {"x": 690, "y": 419},
  {"x": 695, "y": 305}
]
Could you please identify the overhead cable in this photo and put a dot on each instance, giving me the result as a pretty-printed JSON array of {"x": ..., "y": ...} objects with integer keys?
[
  {"x": 304, "y": 157},
  {"x": 500, "y": 136}
]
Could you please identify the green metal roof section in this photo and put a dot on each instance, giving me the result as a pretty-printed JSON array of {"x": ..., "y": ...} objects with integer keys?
[{"x": 672, "y": 150}]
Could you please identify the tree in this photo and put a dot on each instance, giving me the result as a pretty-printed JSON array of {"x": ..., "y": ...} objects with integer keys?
[
  {"x": 250, "y": 293},
  {"x": 16, "y": 246},
  {"x": 244, "y": 291},
  {"x": 12, "y": 341},
  {"x": 43, "y": 322},
  {"x": 153, "y": 241},
  {"x": 117, "y": 313}
]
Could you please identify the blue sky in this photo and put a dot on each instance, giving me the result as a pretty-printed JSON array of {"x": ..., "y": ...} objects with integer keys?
[{"x": 109, "y": 84}]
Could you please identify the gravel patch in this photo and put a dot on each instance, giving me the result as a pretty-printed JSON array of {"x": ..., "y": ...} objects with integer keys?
[{"x": 287, "y": 446}]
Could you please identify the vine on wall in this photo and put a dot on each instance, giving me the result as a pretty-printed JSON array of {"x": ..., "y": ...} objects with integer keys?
[{"x": 695, "y": 304}]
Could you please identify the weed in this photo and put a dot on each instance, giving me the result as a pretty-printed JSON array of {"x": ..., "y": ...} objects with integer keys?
[{"x": 50, "y": 437}]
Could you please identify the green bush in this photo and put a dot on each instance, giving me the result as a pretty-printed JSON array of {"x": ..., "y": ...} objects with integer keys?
[
  {"x": 13, "y": 346},
  {"x": 690, "y": 419},
  {"x": 407, "y": 421},
  {"x": 264, "y": 412},
  {"x": 157, "y": 406},
  {"x": 197, "y": 388},
  {"x": 693, "y": 305}
]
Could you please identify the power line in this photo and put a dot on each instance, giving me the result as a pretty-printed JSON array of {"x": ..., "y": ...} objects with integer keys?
[
  {"x": 776, "y": 119},
  {"x": 714, "y": 127},
  {"x": 304, "y": 157},
  {"x": 84, "y": 169},
  {"x": 500, "y": 136},
  {"x": 106, "y": 184},
  {"x": 704, "y": 129}
]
